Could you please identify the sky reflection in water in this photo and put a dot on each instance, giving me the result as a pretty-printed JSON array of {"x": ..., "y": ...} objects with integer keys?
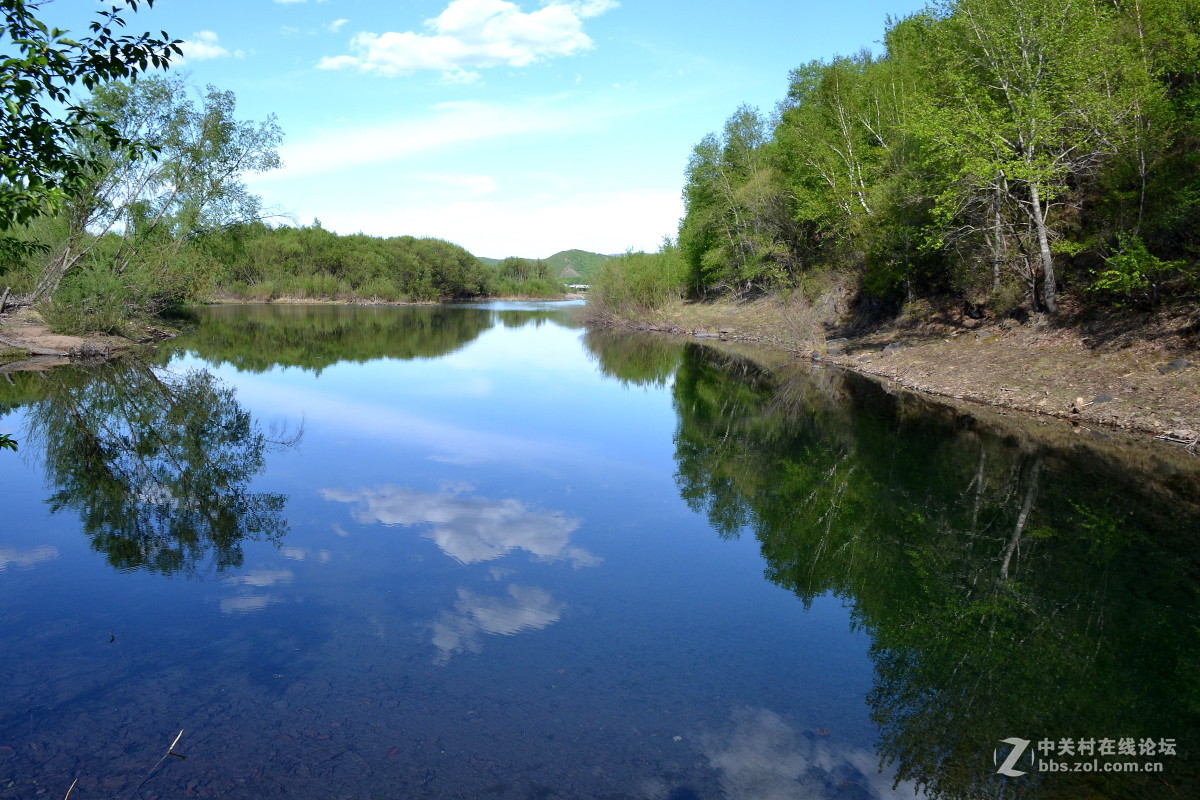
[{"x": 485, "y": 582}]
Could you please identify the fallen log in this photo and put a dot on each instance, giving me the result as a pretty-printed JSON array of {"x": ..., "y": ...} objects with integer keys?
[{"x": 31, "y": 349}]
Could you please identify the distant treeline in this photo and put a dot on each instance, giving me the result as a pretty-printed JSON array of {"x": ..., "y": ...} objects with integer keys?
[
  {"x": 256, "y": 261},
  {"x": 1000, "y": 151}
]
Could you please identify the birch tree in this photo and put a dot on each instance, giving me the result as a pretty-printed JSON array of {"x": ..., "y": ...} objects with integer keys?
[{"x": 1029, "y": 97}]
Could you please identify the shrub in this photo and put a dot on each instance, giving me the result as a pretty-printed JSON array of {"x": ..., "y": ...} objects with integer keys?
[
  {"x": 1134, "y": 274},
  {"x": 639, "y": 281}
]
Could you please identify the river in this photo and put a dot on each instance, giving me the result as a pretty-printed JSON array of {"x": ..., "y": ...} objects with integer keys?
[{"x": 480, "y": 551}]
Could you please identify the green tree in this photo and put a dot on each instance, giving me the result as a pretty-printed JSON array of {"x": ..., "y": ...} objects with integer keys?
[
  {"x": 41, "y": 73},
  {"x": 188, "y": 183},
  {"x": 856, "y": 176},
  {"x": 736, "y": 234},
  {"x": 1029, "y": 97}
]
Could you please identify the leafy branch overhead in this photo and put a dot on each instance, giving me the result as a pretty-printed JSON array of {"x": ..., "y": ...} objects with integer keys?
[{"x": 42, "y": 71}]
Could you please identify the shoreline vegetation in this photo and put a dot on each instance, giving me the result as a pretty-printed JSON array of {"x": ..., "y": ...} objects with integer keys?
[{"x": 999, "y": 207}]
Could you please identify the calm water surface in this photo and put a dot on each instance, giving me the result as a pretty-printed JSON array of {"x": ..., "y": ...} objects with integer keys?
[{"x": 481, "y": 552}]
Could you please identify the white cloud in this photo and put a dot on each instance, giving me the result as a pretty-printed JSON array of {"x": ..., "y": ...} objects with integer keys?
[
  {"x": 336, "y": 25},
  {"x": 474, "y": 34},
  {"x": 289, "y": 2},
  {"x": 593, "y": 8},
  {"x": 447, "y": 124},
  {"x": 204, "y": 46},
  {"x": 468, "y": 185},
  {"x": 462, "y": 77}
]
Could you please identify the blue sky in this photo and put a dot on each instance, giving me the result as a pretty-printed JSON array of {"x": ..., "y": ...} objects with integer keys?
[{"x": 511, "y": 128}]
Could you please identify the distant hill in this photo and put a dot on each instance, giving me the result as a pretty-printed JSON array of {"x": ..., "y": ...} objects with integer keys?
[{"x": 576, "y": 266}]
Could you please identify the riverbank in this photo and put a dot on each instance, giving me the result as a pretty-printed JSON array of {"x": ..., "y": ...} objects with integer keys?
[
  {"x": 1133, "y": 372},
  {"x": 26, "y": 342},
  {"x": 374, "y": 301}
]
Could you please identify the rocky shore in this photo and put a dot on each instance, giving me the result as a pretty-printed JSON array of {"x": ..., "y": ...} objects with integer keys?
[{"x": 1139, "y": 373}]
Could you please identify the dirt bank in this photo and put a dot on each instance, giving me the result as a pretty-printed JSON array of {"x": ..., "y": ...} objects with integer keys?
[
  {"x": 26, "y": 342},
  {"x": 1135, "y": 372}
]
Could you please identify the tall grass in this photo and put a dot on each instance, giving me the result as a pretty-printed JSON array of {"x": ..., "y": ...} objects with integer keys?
[{"x": 635, "y": 283}]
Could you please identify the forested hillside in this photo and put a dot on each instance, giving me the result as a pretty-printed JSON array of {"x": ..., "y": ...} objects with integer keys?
[
  {"x": 999, "y": 151},
  {"x": 570, "y": 266},
  {"x": 256, "y": 261}
]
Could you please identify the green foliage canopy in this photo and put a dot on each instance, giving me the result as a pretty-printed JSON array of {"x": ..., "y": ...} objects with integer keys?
[
  {"x": 42, "y": 70},
  {"x": 996, "y": 149}
]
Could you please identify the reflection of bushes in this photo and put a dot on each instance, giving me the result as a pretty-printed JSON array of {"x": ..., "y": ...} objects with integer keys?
[
  {"x": 633, "y": 358},
  {"x": 157, "y": 466},
  {"x": 985, "y": 569},
  {"x": 259, "y": 338}
]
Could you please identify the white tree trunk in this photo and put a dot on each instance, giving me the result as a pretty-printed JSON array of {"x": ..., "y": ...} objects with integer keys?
[{"x": 1049, "y": 287}]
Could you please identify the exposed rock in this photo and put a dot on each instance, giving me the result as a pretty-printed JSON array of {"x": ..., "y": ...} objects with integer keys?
[
  {"x": 1103, "y": 398},
  {"x": 1175, "y": 366},
  {"x": 836, "y": 345},
  {"x": 893, "y": 347},
  {"x": 707, "y": 336}
]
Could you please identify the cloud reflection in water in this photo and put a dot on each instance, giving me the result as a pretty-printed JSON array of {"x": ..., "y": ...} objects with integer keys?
[
  {"x": 526, "y": 608},
  {"x": 470, "y": 529},
  {"x": 764, "y": 758},
  {"x": 26, "y": 558},
  {"x": 246, "y": 602}
]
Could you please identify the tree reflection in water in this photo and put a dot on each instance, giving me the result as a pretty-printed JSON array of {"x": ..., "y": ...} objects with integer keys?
[
  {"x": 261, "y": 338},
  {"x": 157, "y": 465},
  {"x": 1012, "y": 586}
]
